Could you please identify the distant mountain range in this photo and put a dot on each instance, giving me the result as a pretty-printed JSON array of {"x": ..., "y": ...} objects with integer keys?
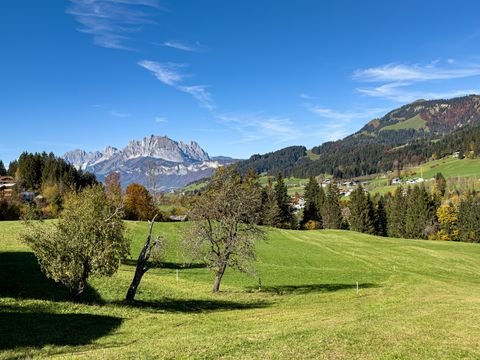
[
  {"x": 405, "y": 136},
  {"x": 155, "y": 162}
]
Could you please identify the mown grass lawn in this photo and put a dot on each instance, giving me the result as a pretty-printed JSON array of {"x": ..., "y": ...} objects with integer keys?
[
  {"x": 417, "y": 300},
  {"x": 450, "y": 166}
]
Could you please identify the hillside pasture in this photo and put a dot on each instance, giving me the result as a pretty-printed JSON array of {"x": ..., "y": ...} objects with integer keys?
[{"x": 415, "y": 300}]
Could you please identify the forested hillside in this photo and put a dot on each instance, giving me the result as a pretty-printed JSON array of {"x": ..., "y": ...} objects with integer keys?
[{"x": 406, "y": 136}]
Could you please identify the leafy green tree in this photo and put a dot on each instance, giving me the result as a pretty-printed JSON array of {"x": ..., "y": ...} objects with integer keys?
[
  {"x": 332, "y": 212},
  {"x": 420, "y": 213},
  {"x": 396, "y": 213},
  {"x": 3, "y": 171},
  {"x": 224, "y": 228},
  {"x": 311, "y": 212},
  {"x": 362, "y": 212},
  {"x": 285, "y": 216},
  {"x": 469, "y": 219},
  {"x": 87, "y": 240}
]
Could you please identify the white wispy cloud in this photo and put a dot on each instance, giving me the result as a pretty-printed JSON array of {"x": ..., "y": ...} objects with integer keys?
[
  {"x": 201, "y": 94},
  {"x": 169, "y": 74},
  {"x": 401, "y": 92},
  {"x": 118, "y": 114},
  {"x": 252, "y": 127},
  {"x": 415, "y": 72},
  {"x": 345, "y": 116},
  {"x": 179, "y": 45},
  {"x": 400, "y": 82},
  {"x": 305, "y": 96},
  {"x": 339, "y": 124},
  {"x": 111, "y": 22},
  {"x": 160, "y": 120}
]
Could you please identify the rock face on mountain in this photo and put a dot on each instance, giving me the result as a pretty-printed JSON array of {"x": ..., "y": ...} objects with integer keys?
[{"x": 157, "y": 162}]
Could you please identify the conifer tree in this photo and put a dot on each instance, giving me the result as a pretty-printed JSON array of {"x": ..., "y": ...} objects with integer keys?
[
  {"x": 270, "y": 209},
  {"x": 12, "y": 168},
  {"x": 440, "y": 184},
  {"x": 332, "y": 213},
  {"x": 420, "y": 213},
  {"x": 396, "y": 212},
  {"x": 311, "y": 212},
  {"x": 469, "y": 220},
  {"x": 362, "y": 212},
  {"x": 380, "y": 217},
  {"x": 3, "y": 171},
  {"x": 285, "y": 215}
]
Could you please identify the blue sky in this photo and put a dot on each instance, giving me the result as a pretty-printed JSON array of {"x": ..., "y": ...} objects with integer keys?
[{"x": 239, "y": 77}]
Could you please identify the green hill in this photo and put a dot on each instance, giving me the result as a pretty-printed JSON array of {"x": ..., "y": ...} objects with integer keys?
[{"x": 416, "y": 300}]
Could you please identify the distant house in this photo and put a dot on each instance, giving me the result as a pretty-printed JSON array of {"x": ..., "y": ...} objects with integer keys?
[
  {"x": 177, "y": 218},
  {"x": 415, "y": 181},
  {"x": 345, "y": 192},
  {"x": 456, "y": 154},
  {"x": 7, "y": 187},
  {"x": 297, "y": 204}
]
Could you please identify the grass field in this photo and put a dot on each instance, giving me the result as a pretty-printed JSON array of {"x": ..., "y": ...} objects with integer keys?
[
  {"x": 415, "y": 122},
  {"x": 417, "y": 300},
  {"x": 450, "y": 166}
]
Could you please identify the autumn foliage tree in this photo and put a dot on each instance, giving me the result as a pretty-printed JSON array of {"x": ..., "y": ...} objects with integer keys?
[
  {"x": 138, "y": 203},
  {"x": 447, "y": 219}
]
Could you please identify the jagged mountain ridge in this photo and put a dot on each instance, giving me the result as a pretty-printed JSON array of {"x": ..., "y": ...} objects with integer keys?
[{"x": 155, "y": 161}]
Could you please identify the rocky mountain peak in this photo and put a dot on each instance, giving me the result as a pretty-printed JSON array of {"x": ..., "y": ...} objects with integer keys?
[{"x": 175, "y": 163}]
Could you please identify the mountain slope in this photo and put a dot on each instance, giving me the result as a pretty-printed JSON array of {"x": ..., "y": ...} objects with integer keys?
[
  {"x": 405, "y": 136},
  {"x": 156, "y": 162}
]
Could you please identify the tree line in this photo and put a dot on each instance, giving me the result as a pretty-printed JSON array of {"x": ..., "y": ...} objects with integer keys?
[
  {"x": 414, "y": 212},
  {"x": 53, "y": 179},
  {"x": 362, "y": 154}
]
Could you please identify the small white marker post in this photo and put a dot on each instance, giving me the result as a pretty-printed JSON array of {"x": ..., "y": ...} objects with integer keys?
[
  {"x": 357, "y": 287},
  {"x": 177, "y": 274}
]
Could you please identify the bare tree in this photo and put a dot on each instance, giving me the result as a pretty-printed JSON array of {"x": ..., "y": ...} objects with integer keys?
[
  {"x": 225, "y": 227},
  {"x": 142, "y": 261}
]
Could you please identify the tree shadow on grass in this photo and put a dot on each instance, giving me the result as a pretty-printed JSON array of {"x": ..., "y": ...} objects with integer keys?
[
  {"x": 167, "y": 265},
  {"x": 21, "y": 278},
  {"x": 193, "y": 306},
  {"x": 20, "y": 328},
  {"x": 311, "y": 288}
]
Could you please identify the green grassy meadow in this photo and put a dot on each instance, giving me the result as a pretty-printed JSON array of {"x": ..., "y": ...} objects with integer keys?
[
  {"x": 450, "y": 166},
  {"x": 416, "y": 300},
  {"x": 415, "y": 122}
]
